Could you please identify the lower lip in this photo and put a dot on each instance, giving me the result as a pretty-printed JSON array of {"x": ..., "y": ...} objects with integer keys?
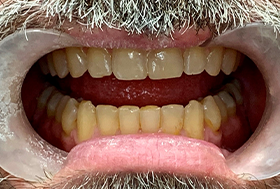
[{"x": 147, "y": 152}]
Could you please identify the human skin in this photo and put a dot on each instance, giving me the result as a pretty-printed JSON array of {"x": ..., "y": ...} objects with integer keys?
[{"x": 126, "y": 40}]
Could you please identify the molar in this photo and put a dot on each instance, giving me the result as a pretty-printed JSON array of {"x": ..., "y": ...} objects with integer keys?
[
  {"x": 60, "y": 107},
  {"x": 229, "y": 61},
  {"x": 53, "y": 103},
  {"x": 229, "y": 102},
  {"x": 51, "y": 65},
  {"x": 60, "y": 63},
  {"x": 44, "y": 97}
]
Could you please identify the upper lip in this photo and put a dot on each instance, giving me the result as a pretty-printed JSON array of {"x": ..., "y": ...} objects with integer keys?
[{"x": 112, "y": 38}]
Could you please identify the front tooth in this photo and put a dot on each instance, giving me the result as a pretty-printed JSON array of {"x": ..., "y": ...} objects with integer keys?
[
  {"x": 194, "y": 60},
  {"x": 150, "y": 119},
  {"x": 229, "y": 102},
  {"x": 233, "y": 90},
  {"x": 99, "y": 62},
  {"x": 69, "y": 116},
  {"x": 52, "y": 104},
  {"x": 60, "y": 63},
  {"x": 129, "y": 64},
  {"x": 229, "y": 61},
  {"x": 44, "y": 97},
  {"x": 166, "y": 63},
  {"x": 212, "y": 114},
  {"x": 129, "y": 119},
  {"x": 77, "y": 61},
  {"x": 61, "y": 106},
  {"x": 194, "y": 120},
  {"x": 222, "y": 107},
  {"x": 107, "y": 119},
  {"x": 172, "y": 119},
  {"x": 51, "y": 65},
  {"x": 214, "y": 61},
  {"x": 86, "y": 120}
]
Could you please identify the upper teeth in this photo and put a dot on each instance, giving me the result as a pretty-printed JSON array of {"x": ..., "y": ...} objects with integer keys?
[{"x": 133, "y": 64}]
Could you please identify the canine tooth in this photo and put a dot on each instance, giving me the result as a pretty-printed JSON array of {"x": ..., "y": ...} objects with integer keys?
[
  {"x": 222, "y": 107},
  {"x": 129, "y": 64},
  {"x": 129, "y": 119},
  {"x": 43, "y": 63},
  {"x": 194, "y": 120},
  {"x": 51, "y": 64},
  {"x": 107, "y": 119},
  {"x": 172, "y": 117},
  {"x": 69, "y": 116},
  {"x": 212, "y": 114},
  {"x": 229, "y": 60},
  {"x": 60, "y": 63},
  {"x": 60, "y": 107},
  {"x": 150, "y": 119},
  {"x": 77, "y": 61},
  {"x": 233, "y": 90},
  {"x": 52, "y": 104},
  {"x": 214, "y": 61},
  {"x": 99, "y": 62},
  {"x": 44, "y": 97},
  {"x": 229, "y": 102},
  {"x": 166, "y": 63},
  {"x": 86, "y": 120},
  {"x": 194, "y": 60}
]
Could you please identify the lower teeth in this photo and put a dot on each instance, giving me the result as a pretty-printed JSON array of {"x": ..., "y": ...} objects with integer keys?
[{"x": 85, "y": 120}]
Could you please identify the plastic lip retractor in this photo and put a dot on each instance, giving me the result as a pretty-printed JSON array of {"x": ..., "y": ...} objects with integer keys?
[
  {"x": 259, "y": 157},
  {"x": 23, "y": 153},
  {"x": 26, "y": 155}
]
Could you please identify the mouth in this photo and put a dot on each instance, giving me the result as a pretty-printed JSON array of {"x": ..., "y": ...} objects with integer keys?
[
  {"x": 177, "y": 110},
  {"x": 197, "y": 98}
]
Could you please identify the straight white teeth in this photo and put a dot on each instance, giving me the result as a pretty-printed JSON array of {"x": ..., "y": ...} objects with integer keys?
[
  {"x": 135, "y": 64},
  {"x": 85, "y": 119}
]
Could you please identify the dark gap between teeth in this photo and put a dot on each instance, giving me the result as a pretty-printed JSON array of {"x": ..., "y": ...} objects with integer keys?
[{"x": 109, "y": 90}]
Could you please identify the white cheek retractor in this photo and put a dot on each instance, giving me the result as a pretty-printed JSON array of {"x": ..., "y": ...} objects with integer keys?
[
  {"x": 259, "y": 158},
  {"x": 22, "y": 152}
]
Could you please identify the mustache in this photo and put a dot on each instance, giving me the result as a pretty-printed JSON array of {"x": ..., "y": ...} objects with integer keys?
[{"x": 150, "y": 17}]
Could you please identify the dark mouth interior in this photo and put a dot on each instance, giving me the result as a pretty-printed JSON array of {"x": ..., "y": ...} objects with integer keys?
[{"x": 111, "y": 91}]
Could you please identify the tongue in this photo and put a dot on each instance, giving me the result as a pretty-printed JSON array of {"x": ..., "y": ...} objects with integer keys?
[{"x": 109, "y": 90}]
